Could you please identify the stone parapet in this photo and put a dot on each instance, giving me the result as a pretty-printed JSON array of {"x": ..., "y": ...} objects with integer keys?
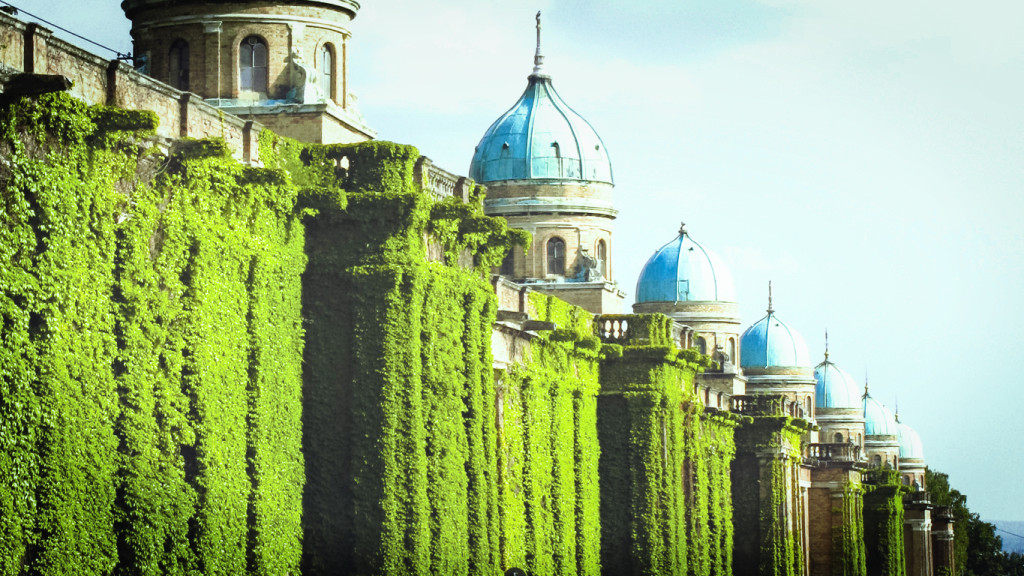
[{"x": 32, "y": 49}]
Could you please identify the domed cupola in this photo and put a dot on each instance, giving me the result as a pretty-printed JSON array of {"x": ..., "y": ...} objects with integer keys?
[
  {"x": 540, "y": 138},
  {"x": 878, "y": 420},
  {"x": 910, "y": 442},
  {"x": 838, "y": 408},
  {"x": 912, "y": 465},
  {"x": 835, "y": 388},
  {"x": 881, "y": 444},
  {"x": 684, "y": 271},
  {"x": 548, "y": 172},
  {"x": 770, "y": 343}
]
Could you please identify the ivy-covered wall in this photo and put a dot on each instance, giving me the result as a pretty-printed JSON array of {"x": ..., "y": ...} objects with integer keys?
[
  {"x": 883, "y": 523},
  {"x": 848, "y": 550},
  {"x": 400, "y": 427},
  {"x": 151, "y": 394},
  {"x": 219, "y": 369},
  {"x": 665, "y": 464},
  {"x": 766, "y": 496},
  {"x": 547, "y": 448}
]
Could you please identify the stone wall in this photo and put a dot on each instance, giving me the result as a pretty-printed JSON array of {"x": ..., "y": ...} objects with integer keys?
[{"x": 33, "y": 49}]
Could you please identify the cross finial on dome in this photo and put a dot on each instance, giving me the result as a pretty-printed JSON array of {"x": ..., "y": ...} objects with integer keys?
[
  {"x": 866, "y": 382},
  {"x": 826, "y": 343},
  {"x": 682, "y": 228},
  {"x": 770, "y": 309},
  {"x": 538, "y": 58}
]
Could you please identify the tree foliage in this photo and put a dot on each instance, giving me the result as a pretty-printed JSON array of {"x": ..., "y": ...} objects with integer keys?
[{"x": 977, "y": 548}]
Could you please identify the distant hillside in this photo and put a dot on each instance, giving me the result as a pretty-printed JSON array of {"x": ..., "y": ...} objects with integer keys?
[{"x": 1006, "y": 530}]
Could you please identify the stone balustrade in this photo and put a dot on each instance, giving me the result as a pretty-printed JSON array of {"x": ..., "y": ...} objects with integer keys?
[
  {"x": 439, "y": 183},
  {"x": 766, "y": 405},
  {"x": 833, "y": 452}
]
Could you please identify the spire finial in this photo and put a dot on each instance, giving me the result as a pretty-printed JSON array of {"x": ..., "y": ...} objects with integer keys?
[
  {"x": 897, "y": 415},
  {"x": 866, "y": 382},
  {"x": 826, "y": 343},
  {"x": 770, "y": 309},
  {"x": 682, "y": 228},
  {"x": 538, "y": 59}
]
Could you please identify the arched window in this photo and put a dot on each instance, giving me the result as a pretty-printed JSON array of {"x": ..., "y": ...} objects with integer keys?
[
  {"x": 252, "y": 65},
  {"x": 556, "y": 256},
  {"x": 838, "y": 439},
  {"x": 602, "y": 258},
  {"x": 732, "y": 351},
  {"x": 702, "y": 345},
  {"x": 177, "y": 65},
  {"x": 877, "y": 461},
  {"x": 326, "y": 68},
  {"x": 906, "y": 480}
]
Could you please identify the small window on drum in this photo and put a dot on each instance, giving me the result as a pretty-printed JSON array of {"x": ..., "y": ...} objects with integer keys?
[
  {"x": 702, "y": 345},
  {"x": 556, "y": 256},
  {"x": 252, "y": 65},
  {"x": 177, "y": 65},
  {"x": 602, "y": 258},
  {"x": 838, "y": 439}
]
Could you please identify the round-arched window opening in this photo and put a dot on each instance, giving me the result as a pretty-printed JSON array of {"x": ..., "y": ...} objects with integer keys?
[
  {"x": 702, "y": 345},
  {"x": 838, "y": 439},
  {"x": 325, "y": 67},
  {"x": 556, "y": 256},
  {"x": 602, "y": 258},
  {"x": 252, "y": 65}
]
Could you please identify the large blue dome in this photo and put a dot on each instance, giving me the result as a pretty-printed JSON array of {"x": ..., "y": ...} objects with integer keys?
[
  {"x": 684, "y": 271},
  {"x": 540, "y": 138},
  {"x": 878, "y": 420},
  {"x": 771, "y": 344},
  {"x": 835, "y": 388},
  {"x": 910, "y": 442}
]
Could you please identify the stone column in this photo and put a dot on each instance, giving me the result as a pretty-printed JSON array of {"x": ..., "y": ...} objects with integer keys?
[
  {"x": 917, "y": 528},
  {"x": 943, "y": 558},
  {"x": 212, "y": 54}
]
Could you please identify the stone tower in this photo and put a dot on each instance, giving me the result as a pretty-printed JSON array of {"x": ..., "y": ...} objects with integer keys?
[
  {"x": 282, "y": 64},
  {"x": 548, "y": 172}
]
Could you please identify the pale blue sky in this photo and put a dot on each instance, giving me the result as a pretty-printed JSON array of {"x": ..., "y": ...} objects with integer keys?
[{"x": 865, "y": 156}]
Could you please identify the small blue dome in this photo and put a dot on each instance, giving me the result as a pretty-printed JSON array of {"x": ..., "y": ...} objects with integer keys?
[
  {"x": 540, "y": 138},
  {"x": 910, "y": 442},
  {"x": 878, "y": 420},
  {"x": 684, "y": 271},
  {"x": 835, "y": 388},
  {"x": 770, "y": 343}
]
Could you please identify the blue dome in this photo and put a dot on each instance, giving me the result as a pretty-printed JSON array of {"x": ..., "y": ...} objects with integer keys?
[
  {"x": 878, "y": 420},
  {"x": 835, "y": 388},
  {"x": 770, "y": 343},
  {"x": 910, "y": 442},
  {"x": 684, "y": 271},
  {"x": 540, "y": 138}
]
